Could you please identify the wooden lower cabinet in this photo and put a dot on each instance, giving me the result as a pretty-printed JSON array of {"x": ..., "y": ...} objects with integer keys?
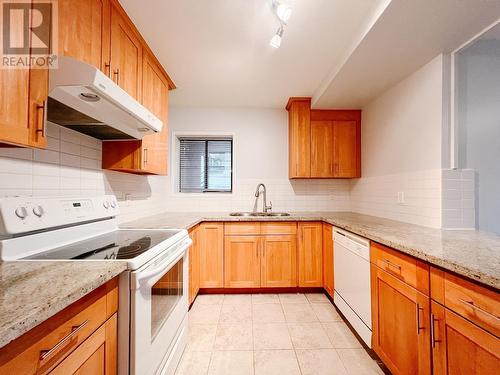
[
  {"x": 194, "y": 265},
  {"x": 310, "y": 254},
  {"x": 242, "y": 261},
  {"x": 279, "y": 261},
  {"x": 328, "y": 258},
  {"x": 461, "y": 347},
  {"x": 401, "y": 328},
  {"x": 211, "y": 245}
]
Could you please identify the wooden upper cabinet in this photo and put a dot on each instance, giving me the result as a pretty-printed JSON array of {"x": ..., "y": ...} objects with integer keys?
[
  {"x": 211, "y": 248},
  {"x": 279, "y": 261},
  {"x": 322, "y": 149},
  {"x": 310, "y": 254},
  {"x": 461, "y": 347},
  {"x": 84, "y": 27},
  {"x": 299, "y": 133},
  {"x": 126, "y": 53},
  {"x": 346, "y": 149},
  {"x": 401, "y": 324},
  {"x": 328, "y": 259},
  {"x": 242, "y": 261}
]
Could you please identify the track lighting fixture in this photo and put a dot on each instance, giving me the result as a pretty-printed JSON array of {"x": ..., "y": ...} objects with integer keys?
[{"x": 283, "y": 13}]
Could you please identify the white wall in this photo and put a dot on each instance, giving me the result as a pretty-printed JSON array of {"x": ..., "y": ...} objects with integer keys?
[{"x": 402, "y": 150}]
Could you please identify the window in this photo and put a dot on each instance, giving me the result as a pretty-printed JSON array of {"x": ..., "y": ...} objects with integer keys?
[{"x": 206, "y": 165}]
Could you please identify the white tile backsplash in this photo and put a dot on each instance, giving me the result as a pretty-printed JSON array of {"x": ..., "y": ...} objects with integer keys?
[{"x": 458, "y": 196}]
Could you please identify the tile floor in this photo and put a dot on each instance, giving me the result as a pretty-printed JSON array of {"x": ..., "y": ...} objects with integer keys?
[{"x": 268, "y": 334}]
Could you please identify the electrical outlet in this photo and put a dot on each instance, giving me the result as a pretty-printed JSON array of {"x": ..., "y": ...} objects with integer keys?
[{"x": 401, "y": 197}]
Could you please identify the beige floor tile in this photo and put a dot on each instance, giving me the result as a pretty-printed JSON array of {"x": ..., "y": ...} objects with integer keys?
[
  {"x": 232, "y": 363},
  {"x": 325, "y": 312},
  {"x": 236, "y": 314},
  {"x": 204, "y": 314},
  {"x": 194, "y": 363},
  {"x": 317, "y": 298},
  {"x": 209, "y": 299},
  {"x": 234, "y": 337},
  {"x": 341, "y": 336},
  {"x": 308, "y": 336},
  {"x": 358, "y": 362},
  {"x": 201, "y": 337},
  {"x": 265, "y": 298},
  {"x": 271, "y": 336},
  {"x": 320, "y": 362},
  {"x": 237, "y": 299},
  {"x": 292, "y": 298},
  {"x": 299, "y": 313},
  {"x": 268, "y": 313},
  {"x": 274, "y": 362}
]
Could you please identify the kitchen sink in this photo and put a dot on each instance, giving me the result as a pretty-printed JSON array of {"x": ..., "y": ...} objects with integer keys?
[{"x": 260, "y": 214}]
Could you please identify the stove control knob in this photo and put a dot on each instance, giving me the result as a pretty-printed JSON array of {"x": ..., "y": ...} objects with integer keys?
[
  {"x": 106, "y": 204},
  {"x": 38, "y": 211},
  {"x": 113, "y": 204},
  {"x": 21, "y": 212}
]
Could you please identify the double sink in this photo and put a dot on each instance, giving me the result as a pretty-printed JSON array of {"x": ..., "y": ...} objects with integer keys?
[{"x": 260, "y": 214}]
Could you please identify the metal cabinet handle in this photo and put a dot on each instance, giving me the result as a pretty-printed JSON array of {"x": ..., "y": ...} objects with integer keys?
[
  {"x": 44, "y": 354},
  {"x": 433, "y": 331},
  {"x": 418, "y": 308},
  {"x": 473, "y": 306},
  {"x": 107, "y": 68},
  {"x": 145, "y": 156},
  {"x": 40, "y": 129},
  {"x": 116, "y": 73},
  {"x": 390, "y": 264}
]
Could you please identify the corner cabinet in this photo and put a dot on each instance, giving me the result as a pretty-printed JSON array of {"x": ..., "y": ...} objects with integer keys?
[
  {"x": 323, "y": 143},
  {"x": 310, "y": 254}
]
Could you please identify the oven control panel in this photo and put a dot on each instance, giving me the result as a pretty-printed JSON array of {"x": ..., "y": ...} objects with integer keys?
[{"x": 28, "y": 214}]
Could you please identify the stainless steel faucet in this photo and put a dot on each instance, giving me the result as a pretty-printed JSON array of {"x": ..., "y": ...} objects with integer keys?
[{"x": 265, "y": 207}]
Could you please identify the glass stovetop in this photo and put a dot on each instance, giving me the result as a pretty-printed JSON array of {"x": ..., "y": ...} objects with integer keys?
[{"x": 120, "y": 244}]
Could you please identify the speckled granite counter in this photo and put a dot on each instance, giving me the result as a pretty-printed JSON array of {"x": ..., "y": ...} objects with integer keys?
[
  {"x": 31, "y": 292},
  {"x": 473, "y": 254}
]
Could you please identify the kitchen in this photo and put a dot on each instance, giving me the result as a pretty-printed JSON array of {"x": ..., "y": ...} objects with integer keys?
[{"x": 249, "y": 187}]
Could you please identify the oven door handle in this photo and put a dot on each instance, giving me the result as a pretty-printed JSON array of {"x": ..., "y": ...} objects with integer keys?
[{"x": 148, "y": 277}]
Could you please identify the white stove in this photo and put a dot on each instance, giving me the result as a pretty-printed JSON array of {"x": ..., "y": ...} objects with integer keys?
[{"x": 153, "y": 300}]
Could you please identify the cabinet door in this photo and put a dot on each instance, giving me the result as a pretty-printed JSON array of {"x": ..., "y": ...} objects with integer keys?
[
  {"x": 242, "y": 262},
  {"x": 211, "y": 248},
  {"x": 461, "y": 347},
  {"x": 299, "y": 138},
  {"x": 310, "y": 254},
  {"x": 321, "y": 149},
  {"x": 96, "y": 355},
  {"x": 346, "y": 149},
  {"x": 155, "y": 98},
  {"x": 84, "y": 31},
  {"x": 279, "y": 261},
  {"x": 401, "y": 329},
  {"x": 328, "y": 258},
  {"x": 194, "y": 266},
  {"x": 126, "y": 54}
]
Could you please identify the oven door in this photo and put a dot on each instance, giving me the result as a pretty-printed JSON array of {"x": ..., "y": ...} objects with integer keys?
[{"x": 159, "y": 304}]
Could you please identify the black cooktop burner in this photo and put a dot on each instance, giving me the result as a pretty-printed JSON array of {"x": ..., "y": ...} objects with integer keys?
[{"x": 120, "y": 244}]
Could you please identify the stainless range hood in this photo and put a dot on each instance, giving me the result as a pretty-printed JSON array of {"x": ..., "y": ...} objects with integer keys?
[{"x": 84, "y": 99}]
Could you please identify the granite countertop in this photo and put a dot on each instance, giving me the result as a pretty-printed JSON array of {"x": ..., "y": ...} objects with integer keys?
[
  {"x": 470, "y": 253},
  {"x": 33, "y": 291}
]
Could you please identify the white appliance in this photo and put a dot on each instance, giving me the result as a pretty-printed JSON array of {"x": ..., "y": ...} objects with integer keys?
[
  {"x": 352, "y": 293},
  {"x": 83, "y": 98},
  {"x": 153, "y": 292}
]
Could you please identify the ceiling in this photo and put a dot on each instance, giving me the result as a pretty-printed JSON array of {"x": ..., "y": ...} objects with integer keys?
[
  {"x": 218, "y": 54},
  {"x": 343, "y": 53}
]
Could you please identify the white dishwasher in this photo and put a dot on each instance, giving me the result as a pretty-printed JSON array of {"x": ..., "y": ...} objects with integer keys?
[{"x": 352, "y": 281}]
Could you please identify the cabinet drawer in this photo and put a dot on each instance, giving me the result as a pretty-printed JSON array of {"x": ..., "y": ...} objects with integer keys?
[
  {"x": 278, "y": 228},
  {"x": 45, "y": 346},
  {"x": 238, "y": 229},
  {"x": 472, "y": 301},
  {"x": 406, "y": 268}
]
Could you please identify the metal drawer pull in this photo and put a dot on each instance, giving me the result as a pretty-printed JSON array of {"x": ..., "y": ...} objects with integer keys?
[
  {"x": 44, "y": 354},
  {"x": 42, "y": 128},
  {"x": 433, "y": 331},
  {"x": 472, "y": 305},
  {"x": 390, "y": 264},
  {"x": 418, "y": 308}
]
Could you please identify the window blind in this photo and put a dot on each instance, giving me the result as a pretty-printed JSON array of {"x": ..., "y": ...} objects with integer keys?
[{"x": 205, "y": 165}]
